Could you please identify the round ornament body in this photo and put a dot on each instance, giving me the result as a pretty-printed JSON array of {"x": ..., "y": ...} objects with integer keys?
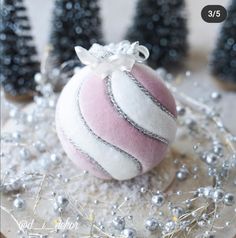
[{"x": 119, "y": 126}]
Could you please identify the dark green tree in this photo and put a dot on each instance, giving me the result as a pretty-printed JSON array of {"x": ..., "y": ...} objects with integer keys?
[
  {"x": 18, "y": 57},
  {"x": 223, "y": 60},
  {"x": 160, "y": 25},
  {"x": 75, "y": 22}
]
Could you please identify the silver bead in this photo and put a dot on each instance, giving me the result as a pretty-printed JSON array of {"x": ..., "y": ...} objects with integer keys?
[
  {"x": 158, "y": 199},
  {"x": 169, "y": 226},
  {"x": 188, "y": 203},
  {"x": 183, "y": 225},
  {"x": 177, "y": 211},
  {"x": 195, "y": 147},
  {"x": 59, "y": 210},
  {"x": 195, "y": 169},
  {"x": 152, "y": 224},
  {"x": 78, "y": 218},
  {"x": 62, "y": 201},
  {"x": 180, "y": 111},
  {"x": 208, "y": 234},
  {"x": 179, "y": 193},
  {"x": 207, "y": 191},
  {"x": 66, "y": 180},
  {"x": 182, "y": 174},
  {"x": 143, "y": 190},
  {"x": 212, "y": 159},
  {"x": 205, "y": 216},
  {"x": 191, "y": 124},
  {"x": 24, "y": 153},
  {"x": 39, "y": 79},
  {"x": 160, "y": 213},
  {"x": 64, "y": 235},
  {"x": 229, "y": 199},
  {"x": 30, "y": 118},
  {"x": 40, "y": 146},
  {"x": 130, "y": 217},
  {"x": 212, "y": 171},
  {"x": 43, "y": 236},
  {"x": 16, "y": 135},
  {"x": 194, "y": 214},
  {"x": 218, "y": 195},
  {"x": 102, "y": 227},
  {"x": 217, "y": 149},
  {"x": 55, "y": 207},
  {"x": 118, "y": 223},
  {"x": 85, "y": 172},
  {"x": 13, "y": 113},
  {"x": 19, "y": 203},
  {"x": 201, "y": 223},
  {"x": 129, "y": 233},
  {"x": 216, "y": 96},
  {"x": 227, "y": 223},
  {"x": 55, "y": 158}
]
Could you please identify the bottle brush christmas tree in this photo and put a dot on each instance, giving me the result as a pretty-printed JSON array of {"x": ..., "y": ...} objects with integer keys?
[
  {"x": 224, "y": 56},
  {"x": 160, "y": 25},
  {"x": 75, "y": 22},
  {"x": 18, "y": 63}
]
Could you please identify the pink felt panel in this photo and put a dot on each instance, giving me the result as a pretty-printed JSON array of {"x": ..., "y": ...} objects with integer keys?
[
  {"x": 107, "y": 123},
  {"x": 148, "y": 78},
  {"x": 79, "y": 158}
]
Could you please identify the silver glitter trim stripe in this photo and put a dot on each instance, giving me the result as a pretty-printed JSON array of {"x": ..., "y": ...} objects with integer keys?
[
  {"x": 147, "y": 93},
  {"x": 137, "y": 162},
  {"x": 126, "y": 117},
  {"x": 90, "y": 159}
]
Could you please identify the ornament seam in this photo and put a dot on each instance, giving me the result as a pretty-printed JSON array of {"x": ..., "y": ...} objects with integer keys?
[
  {"x": 126, "y": 117},
  {"x": 130, "y": 157},
  {"x": 90, "y": 159},
  {"x": 147, "y": 93}
]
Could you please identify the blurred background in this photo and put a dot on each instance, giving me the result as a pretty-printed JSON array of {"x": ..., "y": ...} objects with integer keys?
[{"x": 117, "y": 17}]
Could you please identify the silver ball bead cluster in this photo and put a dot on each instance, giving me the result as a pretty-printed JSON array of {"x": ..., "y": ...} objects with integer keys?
[
  {"x": 168, "y": 209},
  {"x": 60, "y": 204}
]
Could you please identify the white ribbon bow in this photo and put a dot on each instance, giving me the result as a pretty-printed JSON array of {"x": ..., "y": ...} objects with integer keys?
[{"x": 106, "y": 59}]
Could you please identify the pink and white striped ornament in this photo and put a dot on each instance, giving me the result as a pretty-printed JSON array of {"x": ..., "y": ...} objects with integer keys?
[{"x": 115, "y": 118}]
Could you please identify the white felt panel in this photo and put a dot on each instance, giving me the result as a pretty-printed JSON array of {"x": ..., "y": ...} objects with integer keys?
[
  {"x": 140, "y": 108},
  {"x": 116, "y": 163}
]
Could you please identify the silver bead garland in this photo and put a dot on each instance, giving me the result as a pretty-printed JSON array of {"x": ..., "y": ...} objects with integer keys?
[{"x": 171, "y": 212}]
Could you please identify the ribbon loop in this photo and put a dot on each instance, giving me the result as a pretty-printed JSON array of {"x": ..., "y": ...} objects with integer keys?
[{"x": 106, "y": 59}]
